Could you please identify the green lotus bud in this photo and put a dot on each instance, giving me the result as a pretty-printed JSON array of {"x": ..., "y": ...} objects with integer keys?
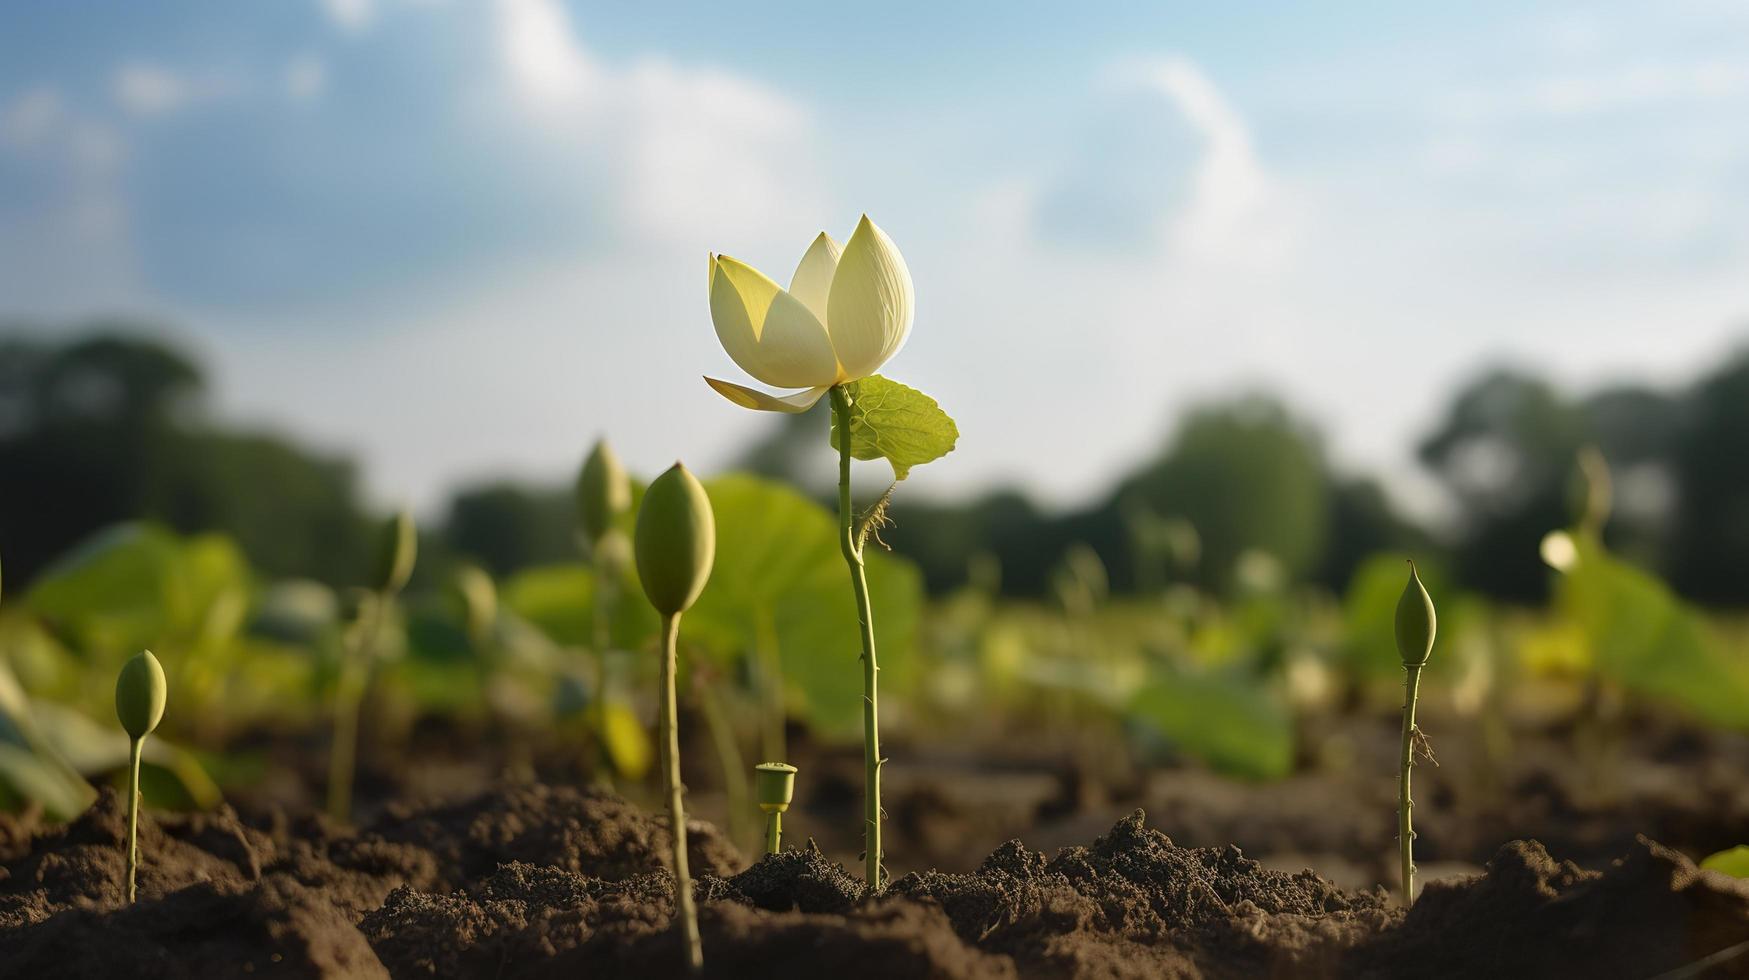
[
  {"x": 603, "y": 493},
  {"x": 479, "y": 600},
  {"x": 140, "y": 692},
  {"x": 775, "y": 785},
  {"x": 676, "y": 540},
  {"x": 1416, "y": 622},
  {"x": 397, "y": 548}
]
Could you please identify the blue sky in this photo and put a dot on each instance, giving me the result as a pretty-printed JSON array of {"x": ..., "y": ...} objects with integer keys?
[{"x": 462, "y": 238}]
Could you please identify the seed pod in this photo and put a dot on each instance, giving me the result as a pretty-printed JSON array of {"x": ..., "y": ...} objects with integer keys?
[
  {"x": 397, "y": 548},
  {"x": 140, "y": 692},
  {"x": 775, "y": 785},
  {"x": 676, "y": 540},
  {"x": 1416, "y": 622},
  {"x": 603, "y": 493}
]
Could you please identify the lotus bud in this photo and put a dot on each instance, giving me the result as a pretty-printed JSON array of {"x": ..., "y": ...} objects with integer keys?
[
  {"x": 397, "y": 548},
  {"x": 1416, "y": 622},
  {"x": 140, "y": 692},
  {"x": 604, "y": 493},
  {"x": 676, "y": 540},
  {"x": 775, "y": 785}
]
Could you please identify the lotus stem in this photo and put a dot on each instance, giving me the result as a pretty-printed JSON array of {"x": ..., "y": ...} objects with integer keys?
[
  {"x": 668, "y": 740},
  {"x": 774, "y": 832},
  {"x": 871, "y": 726},
  {"x": 1405, "y": 805},
  {"x": 134, "y": 814}
]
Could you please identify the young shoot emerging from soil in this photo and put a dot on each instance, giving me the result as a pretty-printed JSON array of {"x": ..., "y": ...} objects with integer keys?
[
  {"x": 1416, "y": 624},
  {"x": 846, "y": 312},
  {"x": 776, "y": 787},
  {"x": 397, "y": 549},
  {"x": 675, "y": 547},
  {"x": 604, "y": 496},
  {"x": 140, "y": 692}
]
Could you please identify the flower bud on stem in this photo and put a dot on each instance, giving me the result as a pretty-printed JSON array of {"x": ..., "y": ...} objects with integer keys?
[
  {"x": 140, "y": 693},
  {"x": 1416, "y": 624}
]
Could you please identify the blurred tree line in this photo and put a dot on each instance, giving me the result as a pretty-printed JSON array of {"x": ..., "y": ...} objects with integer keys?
[{"x": 110, "y": 426}]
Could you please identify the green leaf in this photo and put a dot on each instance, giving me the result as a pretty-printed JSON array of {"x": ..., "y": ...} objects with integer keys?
[
  {"x": 1227, "y": 721},
  {"x": 1649, "y": 641},
  {"x": 1734, "y": 862},
  {"x": 901, "y": 425},
  {"x": 780, "y": 589}
]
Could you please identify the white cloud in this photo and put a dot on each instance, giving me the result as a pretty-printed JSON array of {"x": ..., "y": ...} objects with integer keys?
[
  {"x": 306, "y": 78},
  {"x": 351, "y": 16},
  {"x": 1234, "y": 210},
  {"x": 694, "y": 152},
  {"x": 149, "y": 90},
  {"x": 545, "y": 60},
  {"x": 79, "y": 218}
]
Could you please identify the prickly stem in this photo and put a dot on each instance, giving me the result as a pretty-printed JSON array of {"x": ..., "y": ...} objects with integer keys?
[{"x": 871, "y": 731}]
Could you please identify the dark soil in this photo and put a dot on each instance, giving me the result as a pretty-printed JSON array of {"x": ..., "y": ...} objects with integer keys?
[{"x": 534, "y": 881}]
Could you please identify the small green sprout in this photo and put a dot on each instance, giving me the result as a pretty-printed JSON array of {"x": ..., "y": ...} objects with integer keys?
[
  {"x": 397, "y": 549},
  {"x": 775, "y": 787},
  {"x": 604, "y": 495},
  {"x": 140, "y": 692},
  {"x": 1416, "y": 625},
  {"x": 675, "y": 547}
]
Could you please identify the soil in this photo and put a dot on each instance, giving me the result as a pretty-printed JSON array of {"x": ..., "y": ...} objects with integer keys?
[{"x": 530, "y": 880}]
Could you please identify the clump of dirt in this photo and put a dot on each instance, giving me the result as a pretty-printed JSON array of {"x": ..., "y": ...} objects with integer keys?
[
  {"x": 1652, "y": 911},
  {"x": 1134, "y": 900},
  {"x": 591, "y": 833},
  {"x": 535, "y": 881}
]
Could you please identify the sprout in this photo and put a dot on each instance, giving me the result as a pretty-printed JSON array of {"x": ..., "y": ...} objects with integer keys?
[
  {"x": 140, "y": 692},
  {"x": 675, "y": 547},
  {"x": 776, "y": 786},
  {"x": 604, "y": 493},
  {"x": 397, "y": 550},
  {"x": 479, "y": 604},
  {"x": 1416, "y": 625}
]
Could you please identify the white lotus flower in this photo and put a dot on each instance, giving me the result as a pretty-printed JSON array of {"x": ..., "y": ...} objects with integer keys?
[{"x": 847, "y": 311}]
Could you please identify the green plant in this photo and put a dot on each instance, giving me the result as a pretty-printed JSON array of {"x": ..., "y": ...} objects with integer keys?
[
  {"x": 397, "y": 550},
  {"x": 1415, "y": 627},
  {"x": 675, "y": 544},
  {"x": 604, "y": 496},
  {"x": 140, "y": 692},
  {"x": 847, "y": 311},
  {"x": 776, "y": 786}
]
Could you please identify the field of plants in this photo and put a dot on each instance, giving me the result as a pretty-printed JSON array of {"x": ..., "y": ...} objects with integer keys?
[{"x": 733, "y": 734}]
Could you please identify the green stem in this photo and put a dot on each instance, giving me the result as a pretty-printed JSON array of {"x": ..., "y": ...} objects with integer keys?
[
  {"x": 134, "y": 813},
  {"x": 1405, "y": 826},
  {"x": 348, "y": 697},
  {"x": 734, "y": 768},
  {"x": 871, "y": 726},
  {"x": 773, "y": 832},
  {"x": 595, "y": 758},
  {"x": 668, "y": 740}
]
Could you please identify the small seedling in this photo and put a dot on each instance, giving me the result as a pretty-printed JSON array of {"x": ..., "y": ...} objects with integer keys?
[
  {"x": 776, "y": 786},
  {"x": 604, "y": 495},
  {"x": 1416, "y": 624},
  {"x": 140, "y": 692},
  {"x": 675, "y": 547},
  {"x": 397, "y": 550}
]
